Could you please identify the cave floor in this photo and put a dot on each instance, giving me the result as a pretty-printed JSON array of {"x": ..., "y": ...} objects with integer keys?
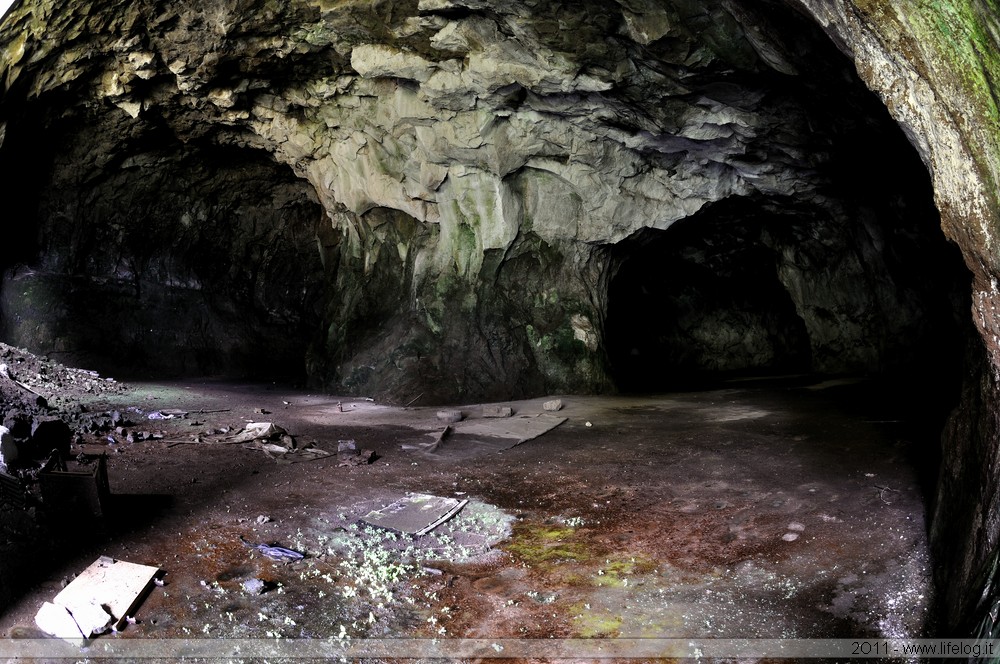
[{"x": 751, "y": 511}]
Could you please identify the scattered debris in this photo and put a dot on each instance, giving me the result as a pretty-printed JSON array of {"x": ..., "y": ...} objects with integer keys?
[
  {"x": 262, "y": 519},
  {"x": 432, "y": 447},
  {"x": 882, "y": 491},
  {"x": 350, "y": 455},
  {"x": 416, "y": 514},
  {"x": 257, "y": 431},
  {"x": 5, "y": 373},
  {"x": 497, "y": 411},
  {"x": 450, "y": 415},
  {"x": 553, "y": 405},
  {"x": 167, "y": 414},
  {"x": 104, "y": 596}
]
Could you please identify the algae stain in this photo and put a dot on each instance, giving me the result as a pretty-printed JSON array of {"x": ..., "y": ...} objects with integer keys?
[
  {"x": 542, "y": 546},
  {"x": 618, "y": 572},
  {"x": 590, "y": 623}
]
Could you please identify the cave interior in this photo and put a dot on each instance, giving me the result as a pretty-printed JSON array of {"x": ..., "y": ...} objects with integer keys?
[{"x": 764, "y": 359}]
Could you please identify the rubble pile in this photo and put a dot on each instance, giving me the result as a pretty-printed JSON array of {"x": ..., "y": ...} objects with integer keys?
[
  {"x": 51, "y": 379},
  {"x": 40, "y": 411}
]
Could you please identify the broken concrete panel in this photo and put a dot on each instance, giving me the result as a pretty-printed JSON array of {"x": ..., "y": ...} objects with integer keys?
[
  {"x": 105, "y": 594},
  {"x": 449, "y": 416},
  {"x": 417, "y": 514},
  {"x": 57, "y": 621},
  {"x": 514, "y": 430}
]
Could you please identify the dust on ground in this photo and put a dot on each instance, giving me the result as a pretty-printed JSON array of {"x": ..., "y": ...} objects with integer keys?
[{"x": 755, "y": 512}]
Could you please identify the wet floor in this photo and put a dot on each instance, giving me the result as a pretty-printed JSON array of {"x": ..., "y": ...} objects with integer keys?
[{"x": 750, "y": 512}]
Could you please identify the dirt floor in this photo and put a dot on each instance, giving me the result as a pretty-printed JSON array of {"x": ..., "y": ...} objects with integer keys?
[{"x": 767, "y": 511}]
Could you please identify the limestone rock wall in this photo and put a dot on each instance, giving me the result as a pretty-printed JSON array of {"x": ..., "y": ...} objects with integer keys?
[{"x": 476, "y": 161}]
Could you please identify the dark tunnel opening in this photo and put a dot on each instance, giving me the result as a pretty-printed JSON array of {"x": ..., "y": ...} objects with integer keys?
[
  {"x": 777, "y": 293},
  {"x": 750, "y": 288},
  {"x": 851, "y": 274},
  {"x": 699, "y": 301}
]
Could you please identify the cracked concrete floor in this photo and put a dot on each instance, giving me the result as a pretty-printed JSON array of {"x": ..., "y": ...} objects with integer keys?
[{"x": 767, "y": 511}]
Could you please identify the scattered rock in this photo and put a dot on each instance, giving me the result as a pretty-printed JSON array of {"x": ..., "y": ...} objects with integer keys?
[
  {"x": 362, "y": 458},
  {"x": 553, "y": 405},
  {"x": 497, "y": 411}
]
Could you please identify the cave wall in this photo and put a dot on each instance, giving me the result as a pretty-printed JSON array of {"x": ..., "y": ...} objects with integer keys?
[
  {"x": 518, "y": 140},
  {"x": 428, "y": 195},
  {"x": 164, "y": 258},
  {"x": 937, "y": 67}
]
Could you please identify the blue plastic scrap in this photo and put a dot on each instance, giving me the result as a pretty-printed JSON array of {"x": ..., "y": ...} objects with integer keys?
[{"x": 279, "y": 553}]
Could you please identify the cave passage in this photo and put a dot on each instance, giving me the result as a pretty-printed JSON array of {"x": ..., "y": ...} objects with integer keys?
[
  {"x": 750, "y": 289},
  {"x": 702, "y": 300},
  {"x": 482, "y": 203},
  {"x": 857, "y": 280}
]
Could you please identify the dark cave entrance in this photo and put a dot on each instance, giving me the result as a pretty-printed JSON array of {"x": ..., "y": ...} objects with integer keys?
[
  {"x": 838, "y": 266},
  {"x": 699, "y": 301},
  {"x": 751, "y": 287},
  {"x": 755, "y": 287},
  {"x": 852, "y": 278}
]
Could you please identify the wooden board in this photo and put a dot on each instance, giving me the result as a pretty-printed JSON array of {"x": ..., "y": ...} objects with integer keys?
[{"x": 109, "y": 588}]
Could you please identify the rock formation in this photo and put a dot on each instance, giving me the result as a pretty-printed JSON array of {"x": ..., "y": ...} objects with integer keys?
[{"x": 474, "y": 198}]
